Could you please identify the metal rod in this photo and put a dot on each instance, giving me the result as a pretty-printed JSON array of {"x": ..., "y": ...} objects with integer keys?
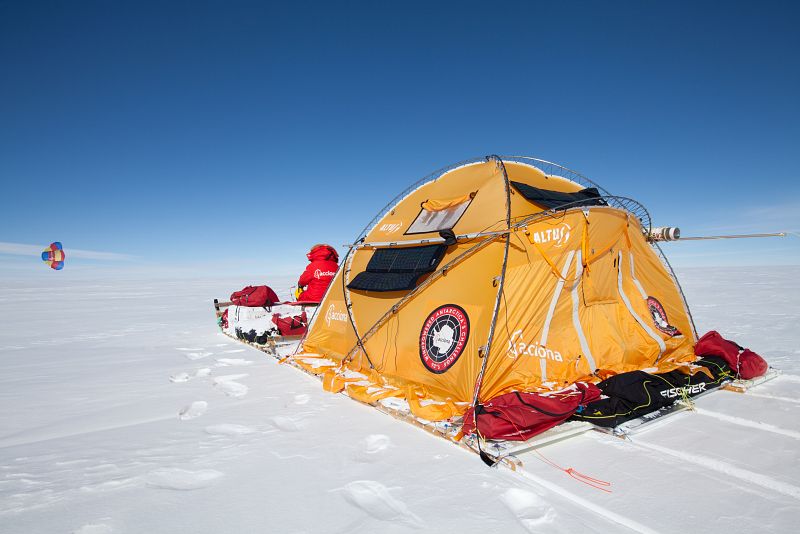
[
  {"x": 460, "y": 237},
  {"x": 742, "y": 236},
  {"x": 521, "y": 223},
  {"x": 498, "y": 297}
]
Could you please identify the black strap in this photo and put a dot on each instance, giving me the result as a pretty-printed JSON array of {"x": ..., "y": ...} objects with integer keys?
[
  {"x": 486, "y": 457},
  {"x": 570, "y": 412},
  {"x": 449, "y": 237}
]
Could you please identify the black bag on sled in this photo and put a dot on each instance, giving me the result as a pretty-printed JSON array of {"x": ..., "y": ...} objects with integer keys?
[
  {"x": 628, "y": 396},
  {"x": 636, "y": 393},
  {"x": 718, "y": 367}
]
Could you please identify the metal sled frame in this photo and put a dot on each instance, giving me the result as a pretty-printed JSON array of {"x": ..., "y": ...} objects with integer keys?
[{"x": 662, "y": 415}]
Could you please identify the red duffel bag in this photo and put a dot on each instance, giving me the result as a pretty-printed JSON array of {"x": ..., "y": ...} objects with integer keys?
[
  {"x": 751, "y": 365},
  {"x": 255, "y": 297},
  {"x": 519, "y": 416},
  {"x": 291, "y": 326},
  {"x": 744, "y": 362}
]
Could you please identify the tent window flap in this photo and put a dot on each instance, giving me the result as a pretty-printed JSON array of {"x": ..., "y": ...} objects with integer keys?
[
  {"x": 437, "y": 215},
  {"x": 398, "y": 269},
  {"x": 555, "y": 199}
]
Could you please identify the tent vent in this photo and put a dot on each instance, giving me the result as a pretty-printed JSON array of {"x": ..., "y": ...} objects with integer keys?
[
  {"x": 398, "y": 269},
  {"x": 556, "y": 199}
]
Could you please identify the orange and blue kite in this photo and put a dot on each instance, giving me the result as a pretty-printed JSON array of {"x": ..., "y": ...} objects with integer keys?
[{"x": 54, "y": 256}]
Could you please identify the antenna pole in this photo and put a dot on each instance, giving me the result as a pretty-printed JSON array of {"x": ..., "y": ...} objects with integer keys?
[{"x": 740, "y": 236}]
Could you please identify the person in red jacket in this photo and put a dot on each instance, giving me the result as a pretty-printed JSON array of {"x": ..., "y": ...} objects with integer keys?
[{"x": 318, "y": 275}]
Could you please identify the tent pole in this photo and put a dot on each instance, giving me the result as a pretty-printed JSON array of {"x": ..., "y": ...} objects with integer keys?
[
  {"x": 502, "y": 278},
  {"x": 348, "y": 260}
]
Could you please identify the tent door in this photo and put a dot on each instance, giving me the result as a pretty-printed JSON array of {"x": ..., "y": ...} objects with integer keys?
[{"x": 599, "y": 283}]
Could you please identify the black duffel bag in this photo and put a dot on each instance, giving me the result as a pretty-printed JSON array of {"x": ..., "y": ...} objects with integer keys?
[{"x": 636, "y": 393}]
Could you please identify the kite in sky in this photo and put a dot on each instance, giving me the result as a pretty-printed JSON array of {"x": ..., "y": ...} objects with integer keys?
[{"x": 54, "y": 256}]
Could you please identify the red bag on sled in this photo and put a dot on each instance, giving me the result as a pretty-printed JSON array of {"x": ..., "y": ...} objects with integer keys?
[
  {"x": 255, "y": 297},
  {"x": 751, "y": 365},
  {"x": 745, "y": 363},
  {"x": 520, "y": 416},
  {"x": 291, "y": 326}
]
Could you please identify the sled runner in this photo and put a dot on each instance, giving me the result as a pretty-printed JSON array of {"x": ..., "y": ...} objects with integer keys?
[{"x": 741, "y": 386}]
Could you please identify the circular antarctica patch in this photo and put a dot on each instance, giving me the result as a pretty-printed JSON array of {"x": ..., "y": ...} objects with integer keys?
[
  {"x": 660, "y": 317},
  {"x": 443, "y": 337}
]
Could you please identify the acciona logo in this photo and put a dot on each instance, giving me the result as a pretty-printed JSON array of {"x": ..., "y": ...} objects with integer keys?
[
  {"x": 686, "y": 390},
  {"x": 558, "y": 235},
  {"x": 517, "y": 347},
  {"x": 319, "y": 274},
  {"x": 333, "y": 315}
]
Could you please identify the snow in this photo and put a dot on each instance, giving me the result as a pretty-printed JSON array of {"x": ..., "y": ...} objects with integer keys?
[{"x": 123, "y": 409}]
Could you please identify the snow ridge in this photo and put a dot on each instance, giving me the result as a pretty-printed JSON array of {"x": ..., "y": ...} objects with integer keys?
[
  {"x": 724, "y": 467},
  {"x": 748, "y": 423}
]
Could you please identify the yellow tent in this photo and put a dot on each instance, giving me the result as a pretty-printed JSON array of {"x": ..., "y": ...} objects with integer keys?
[{"x": 497, "y": 275}]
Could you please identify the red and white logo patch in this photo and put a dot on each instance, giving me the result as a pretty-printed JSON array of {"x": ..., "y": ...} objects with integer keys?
[
  {"x": 443, "y": 337},
  {"x": 659, "y": 316}
]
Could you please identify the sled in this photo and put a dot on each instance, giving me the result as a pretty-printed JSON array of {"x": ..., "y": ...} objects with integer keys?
[
  {"x": 663, "y": 415},
  {"x": 219, "y": 307},
  {"x": 741, "y": 386},
  {"x": 258, "y": 325},
  {"x": 272, "y": 343},
  {"x": 561, "y": 432},
  {"x": 506, "y": 453}
]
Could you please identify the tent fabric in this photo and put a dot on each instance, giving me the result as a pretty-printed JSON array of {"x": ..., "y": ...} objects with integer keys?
[
  {"x": 584, "y": 296},
  {"x": 439, "y": 205},
  {"x": 556, "y": 199}
]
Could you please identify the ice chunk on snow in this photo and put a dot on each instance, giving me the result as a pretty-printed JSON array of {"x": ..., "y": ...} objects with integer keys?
[
  {"x": 181, "y": 479},
  {"x": 229, "y": 430},
  {"x": 374, "y": 498},
  {"x": 195, "y": 409},
  {"x": 532, "y": 511}
]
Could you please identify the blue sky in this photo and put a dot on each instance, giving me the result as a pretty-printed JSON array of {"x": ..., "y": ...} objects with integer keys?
[{"x": 227, "y": 137}]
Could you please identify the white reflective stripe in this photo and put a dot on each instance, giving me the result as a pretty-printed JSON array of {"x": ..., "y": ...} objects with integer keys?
[
  {"x": 635, "y": 280},
  {"x": 576, "y": 322},
  {"x": 662, "y": 347},
  {"x": 551, "y": 310}
]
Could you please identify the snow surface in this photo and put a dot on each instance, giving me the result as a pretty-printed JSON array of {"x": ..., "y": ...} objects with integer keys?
[{"x": 124, "y": 410}]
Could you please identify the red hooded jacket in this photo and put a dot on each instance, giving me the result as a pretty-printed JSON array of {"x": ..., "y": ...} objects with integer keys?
[{"x": 319, "y": 273}]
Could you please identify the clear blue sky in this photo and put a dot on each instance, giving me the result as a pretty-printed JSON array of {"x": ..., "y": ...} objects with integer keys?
[{"x": 229, "y": 136}]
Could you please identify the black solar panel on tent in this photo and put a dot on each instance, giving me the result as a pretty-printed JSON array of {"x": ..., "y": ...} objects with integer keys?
[
  {"x": 422, "y": 259},
  {"x": 368, "y": 281},
  {"x": 555, "y": 199},
  {"x": 397, "y": 269}
]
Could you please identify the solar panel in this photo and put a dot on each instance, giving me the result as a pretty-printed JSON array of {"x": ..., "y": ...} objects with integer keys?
[
  {"x": 555, "y": 199},
  {"x": 398, "y": 269}
]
